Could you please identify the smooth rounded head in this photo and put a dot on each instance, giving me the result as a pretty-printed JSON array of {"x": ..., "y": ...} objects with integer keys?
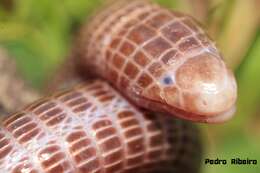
[{"x": 199, "y": 88}]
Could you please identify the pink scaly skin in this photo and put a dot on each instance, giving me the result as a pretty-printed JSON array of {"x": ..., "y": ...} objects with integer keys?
[
  {"x": 91, "y": 128},
  {"x": 160, "y": 60}
]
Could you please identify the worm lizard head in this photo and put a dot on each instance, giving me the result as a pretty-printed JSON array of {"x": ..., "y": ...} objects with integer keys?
[{"x": 199, "y": 88}]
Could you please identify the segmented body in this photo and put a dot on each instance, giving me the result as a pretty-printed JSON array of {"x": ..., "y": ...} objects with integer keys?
[
  {"x": 161, "y": 60},
  {"x": 91, "y": 128}
]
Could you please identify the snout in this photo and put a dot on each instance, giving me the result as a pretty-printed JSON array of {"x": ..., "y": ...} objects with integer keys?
[{"x": 206, "y": 86}]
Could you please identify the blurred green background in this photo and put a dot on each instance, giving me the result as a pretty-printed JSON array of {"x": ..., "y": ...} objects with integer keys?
[{"x": 39, "y": 34}]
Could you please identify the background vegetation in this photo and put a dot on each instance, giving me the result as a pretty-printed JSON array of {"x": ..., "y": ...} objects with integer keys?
[{"x": 38, "y": 34}]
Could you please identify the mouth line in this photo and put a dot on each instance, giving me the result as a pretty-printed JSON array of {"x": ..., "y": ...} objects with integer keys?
[{"x": 165, "y": 108}]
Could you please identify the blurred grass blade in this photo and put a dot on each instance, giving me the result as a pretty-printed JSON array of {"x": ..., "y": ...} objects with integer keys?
[
  {"x": 249, "y": 84},
  {"x": 199, "y": 9},
  {"x": 219, "y": 14},
  {"x": 196, "y": 8},
  {"x": 239, "y": 31}
]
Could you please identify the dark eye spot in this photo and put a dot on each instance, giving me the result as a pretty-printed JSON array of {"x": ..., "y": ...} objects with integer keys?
[{"x": 167, "y": 80}]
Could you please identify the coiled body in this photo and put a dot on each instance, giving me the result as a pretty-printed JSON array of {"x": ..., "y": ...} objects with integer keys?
[
  {"x": 91, "y": 128},
  {"x": 159, "y": 59}
]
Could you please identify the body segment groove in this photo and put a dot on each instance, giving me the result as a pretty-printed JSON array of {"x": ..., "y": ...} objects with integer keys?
[{"x": 92, "y": 128}]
